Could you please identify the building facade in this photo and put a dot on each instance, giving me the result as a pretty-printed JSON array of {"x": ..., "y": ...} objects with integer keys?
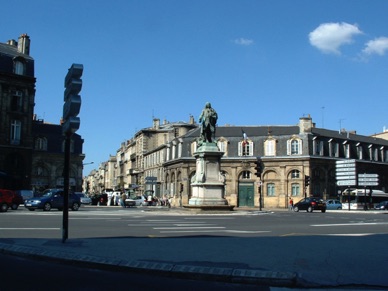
[
  {"x": 31, "y": 151},
  {"x": 17, "y": 101}
]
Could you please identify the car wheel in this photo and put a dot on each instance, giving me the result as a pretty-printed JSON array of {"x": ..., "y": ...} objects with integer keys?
[
  {"x": 75, "y": 206},
  {"x": 296, "y": 208},
  {"x": 14, "y": 206},
  {"x": 339, "y": 208},
  {"x": 47, "y": 207},
  {"x": 31, "y": 209},
  {"x": 3, "y": 207},
  {"x": 323, "y": 210},
  {"x": 310, "y": 209}
]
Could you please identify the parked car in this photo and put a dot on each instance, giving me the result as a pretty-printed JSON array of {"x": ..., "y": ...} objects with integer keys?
[
  {"x": 135, "y": 201},
  {"x": 382, "y": 206},
  {"x": 11, "y": 198},
  {"x": 26, "y": 194},
  {"x": 333, "y": 204},
  {"x": 52, "y": 198},
  {"x": 310, "y": 204},
  {"x": 100, "y": 199},
  {"x": 17, "y": 199},
  {"x": 85, "y": 199},
  {"x": 5, "y": 200}
]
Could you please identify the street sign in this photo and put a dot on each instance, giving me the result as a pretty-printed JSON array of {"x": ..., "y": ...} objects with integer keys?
[
  {"x": 345, "y": 171},
  {"x": 368, "y": 179},
  {"x": 150, "y": 179},
  {"x": 368, "y": 175},
  {"x": 346, "y": 182}
]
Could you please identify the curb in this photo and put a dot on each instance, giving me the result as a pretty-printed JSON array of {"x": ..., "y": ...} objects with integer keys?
[{"x": 229, "y": 275}]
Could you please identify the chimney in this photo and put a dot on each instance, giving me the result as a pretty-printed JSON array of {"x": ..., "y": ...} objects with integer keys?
[
  {"x": 192, "y": 121},
  {"x": 24, "y": 44},
  {"x": 306, "y": 124},
  {"x": 156, "y": 123}
]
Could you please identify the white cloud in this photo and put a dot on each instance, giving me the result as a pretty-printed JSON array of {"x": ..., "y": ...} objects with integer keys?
[
  {"x": 243, "y": 41},
  {"x": 329, "y": 37},
  {"x": 377, "y": 46}
]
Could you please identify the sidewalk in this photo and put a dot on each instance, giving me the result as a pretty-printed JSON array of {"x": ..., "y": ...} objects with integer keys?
[{"x": 276, "y": 261}]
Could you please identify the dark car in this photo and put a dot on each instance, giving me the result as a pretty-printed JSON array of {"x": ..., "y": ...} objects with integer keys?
[
  {"x": 52, "y": 198},
  {"x": 382, "y": 206},
  {"x": 99, "y": 199},
  {"x": 5, "y": 200},
  {"x": 310, "y": 204}
]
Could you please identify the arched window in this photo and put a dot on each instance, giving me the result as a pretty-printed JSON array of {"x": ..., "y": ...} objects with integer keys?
[
  {"x": 270, "y": 147},
  {"x": 19, "y": 66},
  {"x": 294, "y": 146},
  {"x": 245, "y": 148},
  {"x": 41, "y": 144}
]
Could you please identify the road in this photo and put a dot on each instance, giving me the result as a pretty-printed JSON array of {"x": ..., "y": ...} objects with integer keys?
[
  {"x": 94, "y": 222},
  {"x": 336, "y": 248}
]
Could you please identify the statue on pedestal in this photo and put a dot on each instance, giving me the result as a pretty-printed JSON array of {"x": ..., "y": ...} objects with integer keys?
[{"x": 208, "y": 121}]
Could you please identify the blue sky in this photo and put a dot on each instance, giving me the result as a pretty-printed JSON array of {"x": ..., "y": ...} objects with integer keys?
[{"x": 266, "y": 62}]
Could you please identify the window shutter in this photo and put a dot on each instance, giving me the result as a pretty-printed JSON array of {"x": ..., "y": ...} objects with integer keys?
[
  {"x": 289, "y": 147},
  {"x": 251, "y": 148}
]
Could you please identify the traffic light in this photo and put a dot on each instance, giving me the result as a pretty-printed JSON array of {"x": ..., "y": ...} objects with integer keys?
[
  {"x": 181, "y": 189},
  {"x": 306, "y": 180},
  {"x": 72, "y": 105},
  {"x": 258, "y": 167}
]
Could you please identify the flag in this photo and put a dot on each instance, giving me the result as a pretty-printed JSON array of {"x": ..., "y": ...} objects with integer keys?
[{"x": 245, "y": 137}]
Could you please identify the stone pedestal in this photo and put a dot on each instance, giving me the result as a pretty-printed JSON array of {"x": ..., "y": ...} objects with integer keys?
[{"x": 208, "y": 184}]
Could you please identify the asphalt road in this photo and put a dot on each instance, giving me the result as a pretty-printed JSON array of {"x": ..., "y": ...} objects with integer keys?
[{"x": 94, "y": 222}]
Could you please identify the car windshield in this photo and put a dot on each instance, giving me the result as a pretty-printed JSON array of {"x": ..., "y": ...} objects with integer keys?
[{"x": 47, "y": 193}]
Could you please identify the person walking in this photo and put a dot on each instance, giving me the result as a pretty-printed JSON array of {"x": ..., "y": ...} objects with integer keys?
[
  {"x": 123, "y": 197},
  {"x": 291, "y": 204}
]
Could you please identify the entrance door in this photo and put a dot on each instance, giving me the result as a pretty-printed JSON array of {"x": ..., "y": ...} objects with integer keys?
[{"x": 246, "y": 195}]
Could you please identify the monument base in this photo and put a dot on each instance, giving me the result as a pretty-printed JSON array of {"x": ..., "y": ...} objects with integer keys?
[{"x": 203, "y": 208}]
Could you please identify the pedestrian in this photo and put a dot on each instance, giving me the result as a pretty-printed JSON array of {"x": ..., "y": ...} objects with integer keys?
[
  {"x": 123, "y": 197},
  {"x": 290, "y": 204}
]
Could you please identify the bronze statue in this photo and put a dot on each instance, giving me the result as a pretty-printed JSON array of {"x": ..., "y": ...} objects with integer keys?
[{"x": 208, "y": 121}]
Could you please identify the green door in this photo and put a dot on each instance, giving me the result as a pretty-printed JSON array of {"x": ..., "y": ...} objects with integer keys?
[{"x": 246, "y": 195}]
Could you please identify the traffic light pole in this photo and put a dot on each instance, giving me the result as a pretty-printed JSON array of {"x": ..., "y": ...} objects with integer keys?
[
  {"x": 66, "y": 185},
  {"x": 71, "y": 123}
]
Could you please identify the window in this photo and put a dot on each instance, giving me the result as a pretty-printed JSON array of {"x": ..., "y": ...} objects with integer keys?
[
  {"x": 17, "y": 101},
  {"x": 295, "y": 174},
  {"x": 318, "y": 147},
  {"x": 222, "y": 145},
  {"x": 270, "y": 189},
  {"x": 346, "y": 149},
  {"x": 71, "y": 146},
  {"x": 295, "y": 189},
  {"x": 193, "y": 147},
  {"x": 16, "y": 126},
  {"x": 359, "y": 152},
  {"x": 245, "y": 148},
  {"x": 333, "y": 149},
  {"x": 41, "y": 144},
  {"x": 294, "y": 147},
  {"x": 179, "y": 149},
  {"x": 19, "y": 67},
  {"x": 270, "y": 147},
  {"x": 245, "y": 175}
]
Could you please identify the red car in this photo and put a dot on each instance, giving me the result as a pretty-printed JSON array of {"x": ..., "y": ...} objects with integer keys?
[
  {"x": 11, "y": 199},
  {"x": 6, "y": 198}
]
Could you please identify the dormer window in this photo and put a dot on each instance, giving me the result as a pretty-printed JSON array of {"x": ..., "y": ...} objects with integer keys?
[{"x": 19, "y": 66}]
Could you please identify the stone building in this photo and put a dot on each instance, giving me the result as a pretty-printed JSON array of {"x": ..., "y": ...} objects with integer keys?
[
  {"x": 31, "y": 151},
  {"x": 287, "y": 153},
  {"x": 17, "y": 101},
  {"x": 48, "y": 157}
]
